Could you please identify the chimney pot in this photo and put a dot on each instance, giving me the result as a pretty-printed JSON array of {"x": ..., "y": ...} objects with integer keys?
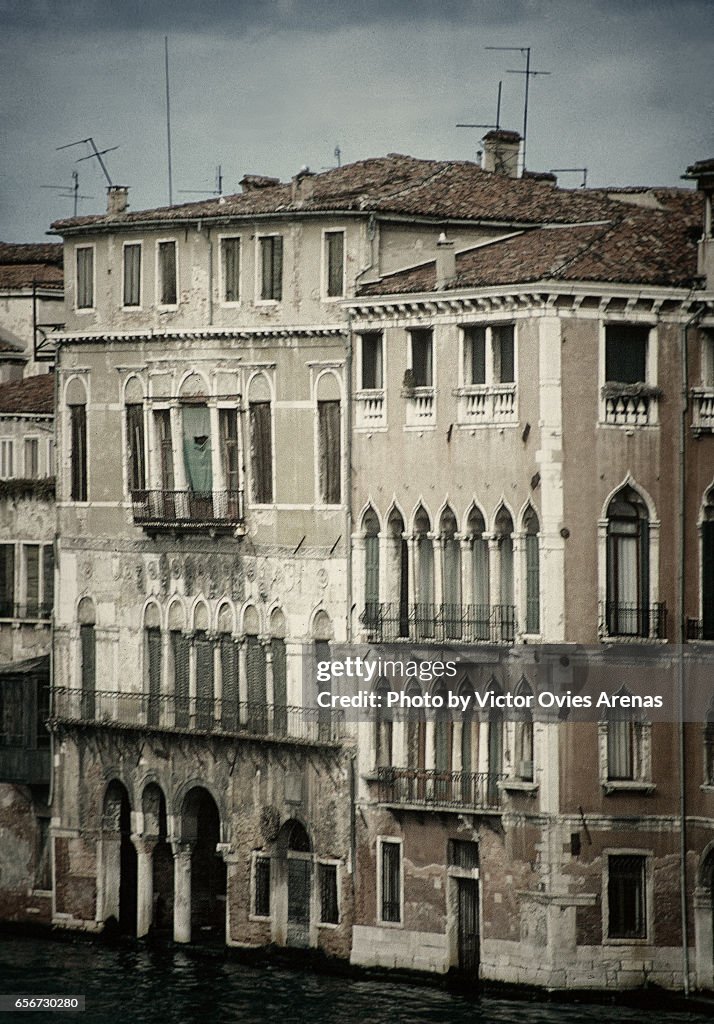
[
  {"x": 117, "y": 199},
  {"x": 445, "y": 262},
  {"x": 501, "y": 148}
]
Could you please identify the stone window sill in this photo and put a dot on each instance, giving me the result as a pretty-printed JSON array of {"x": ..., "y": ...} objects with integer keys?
[
  {"x": 628, "y": 786},
  {"x": 519, "y": 786}
]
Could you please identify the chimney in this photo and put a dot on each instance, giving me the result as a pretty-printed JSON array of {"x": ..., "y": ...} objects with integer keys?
[
  {"x": 703, "y": 173},
  {"x": 117, "y": 199},
  {"x": 500, "y": 152},
  {"x": 445, "y": 262},
  {"x": 255, "y": 182},
  {"x": 303, "y": 185}
]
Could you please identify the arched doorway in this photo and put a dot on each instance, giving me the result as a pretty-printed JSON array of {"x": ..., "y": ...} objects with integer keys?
[
  {"x": 294, "y": 851},
  {"x": 201, "y": 829},
  {"x": 119, "y": 882}
]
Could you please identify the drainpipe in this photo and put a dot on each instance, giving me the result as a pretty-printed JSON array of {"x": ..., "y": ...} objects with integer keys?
[
  {"x": 348, "y": 479},
  {"x": 681, "y": 551}
]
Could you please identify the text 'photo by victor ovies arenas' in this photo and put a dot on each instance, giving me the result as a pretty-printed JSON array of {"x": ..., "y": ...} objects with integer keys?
[{"x": 357, "y": 511}]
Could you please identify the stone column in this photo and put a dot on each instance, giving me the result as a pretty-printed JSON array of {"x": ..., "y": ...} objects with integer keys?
[
  {"x": 111, "y": 874},
  {"x": 182, "y": 891},
  {"x": 144, "y": 883}
]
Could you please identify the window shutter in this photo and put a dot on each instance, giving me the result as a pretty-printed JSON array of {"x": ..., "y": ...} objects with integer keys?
[
  {"x": 477, "y": 340},
  {"x": 32, "y": 579},
  {"x": 277, "y": 284},
  {"x": 261, "y": 453},
  {"x": 231, "y": 269},
  {"x": 167, "y": 269},
  {"x": 371, "y": 578},
  {"x": 229, "y": 680},
  {"x": 228, "y": 422},
  {"x": 532, "y": 585},
  {"x": 708, "y": 581},
  {"x": 153, "y": 650},
  {"x": 335, "y": 263},
  {"x": 391, "y": 882},
  {"x": 329, "y": 910},
  {"x": 330, "y": 452},
  {"x": 135, "y": 447},
  {"x": 7, "y": 580},
  {"x": 48, "y": 578},
  {"x": 179, "y": 650},
  {"x": 78, "y": 431},
  {"x": 132, "y": 275},
  {"x": 88, "y": 647},
  {"x": 163, "y": 430},
  {"x": 504, "y": 340},
  {"x": 256, "y": 685},
  {"x": 280, "y": 686}
]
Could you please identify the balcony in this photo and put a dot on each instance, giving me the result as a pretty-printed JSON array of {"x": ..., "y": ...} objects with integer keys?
[
  {"x": 468, "y": 623},
  {"x": 431, "y": 788},
  {"x": 633, "y": 621},
  {"x": 630, "y": 405},
  {"x": 169, "y": 713},
  {"x": 421, "y": 406},
  {"x": 703, "y": 409},
  {"x": 487, "y": 404},
  {"x": 187, "y": 510},
  {"x": 370, "y": 409}
]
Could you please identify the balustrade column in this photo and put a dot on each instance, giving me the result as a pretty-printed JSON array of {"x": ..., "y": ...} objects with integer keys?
[
  {"x": 144, "y": 883},
  {"x": 182, "y": 891}
]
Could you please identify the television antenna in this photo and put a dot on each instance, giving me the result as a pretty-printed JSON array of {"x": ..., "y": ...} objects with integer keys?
[
  {"x": 70, "y": 191},
  {"x": 572, "y": 170},
  {"x": 217, "y": 191},
  {"x": 497, "y": 125},
  {"x": 96, "y": 154},
  {"x": 529, "y": 74}
]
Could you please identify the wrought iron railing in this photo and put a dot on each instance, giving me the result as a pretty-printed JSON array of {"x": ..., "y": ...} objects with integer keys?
[
  {"x": 637, "y": 621},
  {"x": 422, "y": 787},
  {"x": 162, "y": 508},
  {"x": 467, "y": 623},
  {"x": 172, "y": 712}
]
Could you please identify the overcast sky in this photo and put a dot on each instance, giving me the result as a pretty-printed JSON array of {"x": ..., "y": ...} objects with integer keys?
[{"x": 267, "y": 86}]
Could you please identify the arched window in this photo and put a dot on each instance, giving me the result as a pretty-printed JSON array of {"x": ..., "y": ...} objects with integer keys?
[
  {"x": 398, "y": 577},
  {"x": 415, "y": 747},
  {"x": 524, "y": 736},
  {"x": 383, "y": 727},
  {"x": 628, "y": 566},
  {"x": 424, "y": 574},
  {"x": 179, "y": 667},
  {"x": 228, "y": 651},
  {"x": 443, "y": 746},
  {"x": 707, "y": 574},
  {"x": 77, "y": 429},
  {"x": 278, "y": 630},
  {"x": 322, "y": 634},
  {"x": 370, "y": 531},
  {"x": 532, "y": 528},
  {"x": 135, "y": 437},
  {"x": 88, "y": 657},
  {"x": 261, "y": 440},
  {"x": 505, "y": 624},
  {"x": 469, "y": 744},
  {"x": 205, "y": 680},
  {"x": 197, "y": 447},
  {"x": 255, "y": 670},
  {"x": 480, "y": 597},
  {"x": 620, "y": 744},
  {"x": 152, "y": 662},
  {"x": 451, "y": 575}
]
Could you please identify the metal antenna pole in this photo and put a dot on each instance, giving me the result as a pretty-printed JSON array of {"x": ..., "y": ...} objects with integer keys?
[
  {"x": 168, "y": 118},
  {"x": 529, "y": 74},
  {"x": 75, "y": 189},
  {"x": 580, "y": 170}
]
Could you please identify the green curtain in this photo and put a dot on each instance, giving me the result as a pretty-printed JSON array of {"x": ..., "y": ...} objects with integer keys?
[{"x": 197, "y": 447}]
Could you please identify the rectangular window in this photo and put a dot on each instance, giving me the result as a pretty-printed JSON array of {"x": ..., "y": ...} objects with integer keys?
[
  {"x": 327, "y": 878},
  {"x": 271, "y": 266},
  {"x": 32, "y": 458},
  {"x": 391, "y": 882},
  {"x": 228, "y": 428},
  {"x": 261, "y": 901},
  {"x": 168, "y": 289},
  {"x": 422, "y": 358},
  {"x": 230, "y": 253},
  {"x": 330, "y": 452},
  {"x": 626, "y": 892},
  {"x": 180, "y": 654},
  {"x": 335, "y": 261},
  {"x": 620, "y": 746},
  {"x": 162, "y": 427},
  {"x": 503, "y": 354},
  {"x": 475, "y": 355},
  {"x": 261, "y": 453},
  {"x": 48, "y": 578},
  {"x": 153, "y": 658},
  {"x": 463, "y": 854},
  {"x": 132, "y": 275},
  {"x": 135, "y": 447},
  {"x": 32, "y": 579},
  {"x": 88, "y": 653},
  {"x": 85, "y": 277},
  {"x": 78, "y": 452},
  {"x": 7, "y": 449},
  {"x": 7, "y": 580},
  {"x": 372, "y": 371},
  {"x": 626, "y": 353}
]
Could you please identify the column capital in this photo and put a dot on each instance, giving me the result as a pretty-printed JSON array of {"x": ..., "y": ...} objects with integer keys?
[
  {"x": 181, "y": 850},
  {"x": 144, "y": 844}
]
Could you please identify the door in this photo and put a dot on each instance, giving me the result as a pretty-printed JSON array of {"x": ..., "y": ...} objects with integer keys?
[
  {"x": 468, "y": 930},
  {"x": 299, "y": 886}
]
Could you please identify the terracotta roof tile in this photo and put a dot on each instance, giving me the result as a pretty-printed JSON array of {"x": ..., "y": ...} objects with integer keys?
[
  {"x": 33, "y": 394},
  {"x": 34, "y": 252},
  {"x": 26, "y": 274}
]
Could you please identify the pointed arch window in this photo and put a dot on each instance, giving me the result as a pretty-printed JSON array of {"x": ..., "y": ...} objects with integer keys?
[
  {"x": 524, "y": 736},
  {"x": 505, "y": 624},
  {"x": 451, "y": 575},
  {"x": 424, "y": 574},
  {"x": 383, "y": 727},
  {"x": 532, "y": 557},
  {"x": 370, "y": 530},
  {"x": 628, "y": 611}
]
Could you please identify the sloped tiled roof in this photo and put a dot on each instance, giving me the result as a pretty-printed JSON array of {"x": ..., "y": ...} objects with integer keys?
[
  {"x": 33, "y": 394},
  {"x": 22, "y": 265},
  {"x": 396, "y": 184},
  {"x": 640, "y": 246}
]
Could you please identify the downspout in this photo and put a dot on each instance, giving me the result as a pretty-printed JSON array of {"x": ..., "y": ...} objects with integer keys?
[{"x": 681, "y": 552}]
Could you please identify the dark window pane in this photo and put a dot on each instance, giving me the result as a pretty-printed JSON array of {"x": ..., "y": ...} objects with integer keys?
[
  {"x": 372, "y": 361},
  {"x": 335, "y": 263},
  {"x": 476, "y": 355},
  {"x": 7, "y": 580},
  {"x": 132, "y": 275},
  {"x": 329, "y": 910},
  {"x": 262, "y": 887},
  {"x": 85, "y": 278},
  {"x": 167, "y": 273},
  {"x": 271, "y": 258},
  {"x": 626, "y": 897},
  {"x": 78, "y": 442},
  {"x": 48, "y": 577},
  {"x": 391, "y": 882},
  {"x": 422, "y": 358},
  {"x": 463, "y": 854},
  {"x": 626, "y": 353},
  {"x": 32, "y": 579},
  {"x": 136, "y": 450},
  {"x": 231, "y": 269},
  {"x": 503, "y": 354}
]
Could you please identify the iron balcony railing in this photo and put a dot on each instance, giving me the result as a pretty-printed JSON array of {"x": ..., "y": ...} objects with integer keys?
[
  {"x": 422, "y": 787},
  {"x": 637, "y": 621},
  {"x": 187, "y": 509},
  {"x": 176, "y": 713},
  {"x": 468, "y": 623}
]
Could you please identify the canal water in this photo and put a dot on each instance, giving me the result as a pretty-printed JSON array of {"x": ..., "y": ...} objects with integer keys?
[{"x": 163, "y": 986}]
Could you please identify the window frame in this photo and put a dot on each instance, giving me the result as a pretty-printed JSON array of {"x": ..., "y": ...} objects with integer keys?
[
  {"x": 329, "y": 862},
  {"x": 91, "y": 306},
  {"x": 326, "y": 296},
  {"x": 411, "y": 331},
  {"x": 7, "y": 445},
  {"x": 29, "y": 439},
  {"x": 641, "y": 781},
  {"x": 82, "y": 497},
  {"x": 259, "y": 239},
  {"x": 647, "y": 857},
  {"x": 383, "y": 841},
  {"x": 230, "y": 303},
  {"x": 651, "y": 369},
  {"x": 254, "y": 914},
  {"x": 160, "y": 304},
  {"x": 139, "y": 305}
]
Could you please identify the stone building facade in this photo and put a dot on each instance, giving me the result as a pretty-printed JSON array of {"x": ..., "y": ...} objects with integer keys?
[{"x": 400, "y": 403}]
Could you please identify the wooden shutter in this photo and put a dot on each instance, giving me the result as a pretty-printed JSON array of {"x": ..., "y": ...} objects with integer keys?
[
  {"x": 477, "y": 344},
  {"x": 167, "y": 270},
  {"x": 228, "y": 423},
  {"x": 166, "y": 450},
  {"x": 330, "y": 452},
  {"x": 132, "y": 275},
  {"x": 280, "y": 686},
  {"x": 135, "y": 447},
  {"x": 231, "y": 269},
  {"x": 179, "y": 650},
  {"x": 78, "y": 432},
  {"x": 48, "y": 578},
  {"x": 204, "y": 681},
  {"x": 229, "y": 681},
  {"x": 503, "y": 337},
  {"x": 391, "y": 882},
  {"x": 371, "y": 577},
  {"x": 261, "y": 452},
  {"x": 153, "y": 651},
  {"x": 335, "y": 263},
  {"x": 256, "y": 685},
  {"x": 532, "y": 585},
  {"x": 708, "y": 581},
  {"x": 32, "y": 579},
  {"x": 7, "y": 580},
  {"x": 277, "y": 283}
]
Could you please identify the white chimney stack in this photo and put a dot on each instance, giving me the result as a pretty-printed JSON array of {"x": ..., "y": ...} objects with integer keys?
[
  {"x": 117, "y": 199},
  {"x": 445, "y": 262}
]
